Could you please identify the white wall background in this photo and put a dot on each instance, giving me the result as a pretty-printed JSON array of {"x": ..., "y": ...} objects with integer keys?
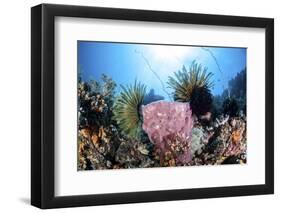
[{"x": 15, "y": 105}]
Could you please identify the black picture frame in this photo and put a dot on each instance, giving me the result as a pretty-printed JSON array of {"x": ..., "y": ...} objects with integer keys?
[{"x": 43, "y": 102}]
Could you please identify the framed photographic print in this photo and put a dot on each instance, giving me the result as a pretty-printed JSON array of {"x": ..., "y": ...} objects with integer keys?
[{"x": 140, "y": 106}]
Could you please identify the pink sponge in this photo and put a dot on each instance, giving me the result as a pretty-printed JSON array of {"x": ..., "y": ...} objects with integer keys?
[{"x": 169, "y": 125}]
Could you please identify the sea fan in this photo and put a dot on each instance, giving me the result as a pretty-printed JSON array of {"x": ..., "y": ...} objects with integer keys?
[
  {"x": 185, "y": 81},
  {"x": 126, "y": 109}
]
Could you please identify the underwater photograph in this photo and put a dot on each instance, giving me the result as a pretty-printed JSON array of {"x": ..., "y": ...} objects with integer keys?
[{"x": 160, "y": 105}]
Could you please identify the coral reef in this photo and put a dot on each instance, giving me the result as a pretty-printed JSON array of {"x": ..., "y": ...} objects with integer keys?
[
  {"x": 100, "y": 143},
  {"x": 133, "y": 155},
  {"x": 105, "y": 149},
  {"x": 97, "y": 148},
  {"x": 226, "y": 143},
  {"x": 169, "y": 125},
  {"x": 98, "y": 138},
  {"x": 95, "y": 101},
  {"x": 135, "y": 129}
]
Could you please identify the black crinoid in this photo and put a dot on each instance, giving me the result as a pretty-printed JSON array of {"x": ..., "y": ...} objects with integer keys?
[
  {"x": 201, "y": 100},
  {"x": 193, "y": 86}
]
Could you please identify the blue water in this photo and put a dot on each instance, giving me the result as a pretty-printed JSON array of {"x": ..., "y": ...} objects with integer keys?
[{"x": 152, "y": 64}]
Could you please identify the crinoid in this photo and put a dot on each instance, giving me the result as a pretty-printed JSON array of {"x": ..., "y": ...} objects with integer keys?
[
  {"x": 184, "y": 81},
  {"x": 193, "y": 86},
  {"x": 126, "y": 109},
  {"x": 201, "y": 100}
]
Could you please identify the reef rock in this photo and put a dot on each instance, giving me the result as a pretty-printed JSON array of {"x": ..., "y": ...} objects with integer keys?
[
  {"x": 168, "y": 125},
  {"x": 133, "y": 154}
]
